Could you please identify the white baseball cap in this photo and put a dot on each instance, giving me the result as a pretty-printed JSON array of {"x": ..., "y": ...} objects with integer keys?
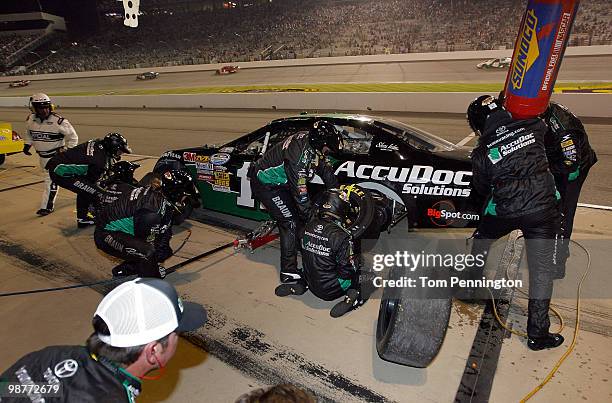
[{"x": 143, "y": 310}]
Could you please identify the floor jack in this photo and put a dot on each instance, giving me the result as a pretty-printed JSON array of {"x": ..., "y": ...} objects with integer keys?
[{"x": 258, "y": 237}]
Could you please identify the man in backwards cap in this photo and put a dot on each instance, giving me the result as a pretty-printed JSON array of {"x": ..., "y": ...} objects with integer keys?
[{"x": 136, "y": 330}]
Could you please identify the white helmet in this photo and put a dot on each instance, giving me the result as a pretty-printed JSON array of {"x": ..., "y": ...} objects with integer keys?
[{"x": 40, "y": 98}]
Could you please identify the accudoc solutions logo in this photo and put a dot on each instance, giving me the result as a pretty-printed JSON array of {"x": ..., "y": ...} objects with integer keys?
[{"x": 528, "y": 50}]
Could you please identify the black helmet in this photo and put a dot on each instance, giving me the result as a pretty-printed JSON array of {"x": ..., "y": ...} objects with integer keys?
[
  {"x": 325, "y": 134},
  {"x": 114, "y": 143},
  {"x": 334, "y": 203},
  {"x": 479, "y": 110},
  {"x": 123, "y": 171},
  {"x": 176, "y": 184}
]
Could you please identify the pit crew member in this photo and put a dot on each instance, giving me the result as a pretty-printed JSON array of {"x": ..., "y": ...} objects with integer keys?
[
  {"x": 570, "y": 157},
  {"x": 279, "y": 181},
  {"x": 135, "y": 331},
  {"x": 510, "y": 168},
  {"x": 49, "y": 133},
  {"x": 80, "y": 168},
  {"x": 137, "y": 227}
]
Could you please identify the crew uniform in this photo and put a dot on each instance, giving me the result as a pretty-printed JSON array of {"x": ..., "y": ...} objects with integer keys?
[
  {"x": 510, "y": 168},
  {"x": 279, "y": 181},
  {"x": 570, "y": 157},
  {"x": 48, "y": 136},
  {"x": 80, "y": 168},
  {"x": 136, "y": 228},
  {"x": 83, "y": 377}
]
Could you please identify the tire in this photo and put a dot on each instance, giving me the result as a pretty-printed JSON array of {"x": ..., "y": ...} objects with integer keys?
[
  {"x": 410, "y": 330},
  {"x": 2, "y": 158}
]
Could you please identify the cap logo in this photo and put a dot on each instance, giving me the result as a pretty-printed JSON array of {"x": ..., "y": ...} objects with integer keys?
[{"x": 180, "y": 304}]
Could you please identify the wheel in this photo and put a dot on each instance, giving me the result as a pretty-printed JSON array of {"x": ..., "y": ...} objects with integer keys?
[
  {"x": 410, "y": 328},
  {"x": 2, "y": 158}
]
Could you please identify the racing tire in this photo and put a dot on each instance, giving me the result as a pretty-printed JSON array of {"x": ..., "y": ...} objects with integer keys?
[
  {"x": 2, "y": 158},
  {"x": 410, "y": 329}
]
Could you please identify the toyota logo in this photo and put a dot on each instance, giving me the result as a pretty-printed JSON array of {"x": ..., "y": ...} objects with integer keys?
[{"x": 66, "y": 368}]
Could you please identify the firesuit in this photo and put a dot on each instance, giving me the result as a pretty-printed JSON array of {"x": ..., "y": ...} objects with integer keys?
[
  {"x": 570, "y": 157},
  {"x": 510, "y": 168},
  {"x": 48, "y": 137},
  {"x": 279, "y": 181},
  {"x": 137, "y": 228},
  {"x": 83, "y": 377},
  {"x": 78, "y": 170}
]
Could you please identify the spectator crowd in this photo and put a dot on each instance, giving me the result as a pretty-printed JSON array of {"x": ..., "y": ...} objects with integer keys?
[{"x": 179, "y": 32}]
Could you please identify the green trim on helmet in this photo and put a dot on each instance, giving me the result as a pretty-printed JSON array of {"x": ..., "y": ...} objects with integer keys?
[{"x": 68, "y": 170}]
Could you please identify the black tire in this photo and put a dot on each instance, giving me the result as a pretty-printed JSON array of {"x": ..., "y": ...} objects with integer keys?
[
  {"x": 2, "y": 158},
  {"x": 410, "y": 329}
]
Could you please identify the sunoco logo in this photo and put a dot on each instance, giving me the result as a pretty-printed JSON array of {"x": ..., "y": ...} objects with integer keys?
[{"x": 528, "y": 50}]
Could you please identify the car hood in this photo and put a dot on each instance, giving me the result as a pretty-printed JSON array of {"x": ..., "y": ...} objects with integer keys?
[{"x": 459, "y": 154}]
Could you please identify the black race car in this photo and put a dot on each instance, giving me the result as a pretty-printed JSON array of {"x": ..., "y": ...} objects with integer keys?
[
  {"x": 427, "y": 177},
  {"x": 149, "y": 75}
]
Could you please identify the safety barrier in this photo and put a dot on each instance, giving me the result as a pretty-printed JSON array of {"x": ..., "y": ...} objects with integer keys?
[{"x": 584, "y": 105}]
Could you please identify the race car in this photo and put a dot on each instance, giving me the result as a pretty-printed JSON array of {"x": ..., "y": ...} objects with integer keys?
[
  {"x": 20, "y": 83},
  {"x": 426, "y": 179},
  {"x": 227, "y": 70},
  {"x": 426, "y": 175},
  {"x": 10, "y": 142},
  {"x": 149, "y": 75},
  {"x": 501, "y": 63}
]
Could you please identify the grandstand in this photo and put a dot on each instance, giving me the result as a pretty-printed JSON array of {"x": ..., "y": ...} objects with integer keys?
[{"x": 178, "y": 32}]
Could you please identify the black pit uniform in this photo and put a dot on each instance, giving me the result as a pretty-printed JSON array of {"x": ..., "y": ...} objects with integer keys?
[
  {"x": 570, "y": 157},
  {"x": 83, "y": 378},
  {"x": 279, "y": 181},
  {"x": 137, "y": 228},
  {"x": 510, "y": 168},
  {"x": 78, "y": 169},
  {"x": 329, "y": 257}
]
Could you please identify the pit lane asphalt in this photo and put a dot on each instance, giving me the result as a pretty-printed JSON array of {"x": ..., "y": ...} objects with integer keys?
[
  {"x": 151, "y": 132},
  {"x": 578, "y": 68}
]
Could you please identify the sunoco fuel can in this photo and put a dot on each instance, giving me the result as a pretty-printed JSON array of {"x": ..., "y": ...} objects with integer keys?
[{"x": 537, "y": 56}]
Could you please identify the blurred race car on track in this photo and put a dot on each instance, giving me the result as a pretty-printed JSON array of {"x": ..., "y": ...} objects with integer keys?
[
  {"x": 501, "y": 63},
  {"x": 149, "y": 75},
  {"x": 10, "y": 142},
  {"x": 227, "y": 70},
  {"x": 426, "y": 179},
  {"x": 20, "y": 83}
]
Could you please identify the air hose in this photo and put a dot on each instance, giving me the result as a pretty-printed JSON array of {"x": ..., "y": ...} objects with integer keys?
[{"x": 569, "y": 350}]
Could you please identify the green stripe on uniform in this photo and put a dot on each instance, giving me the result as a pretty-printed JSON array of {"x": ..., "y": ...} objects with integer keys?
[
  {"x": 67, "y": 170},
  {"x": 123, "y": 225}
]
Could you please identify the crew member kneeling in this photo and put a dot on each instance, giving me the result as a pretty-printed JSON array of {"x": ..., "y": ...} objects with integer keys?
[
  {"x": 510, "y": 168},
  {"x": 79, "y": 169},
  {"x": 138, "y": 226},
  {"x": 331, "y": 252}
]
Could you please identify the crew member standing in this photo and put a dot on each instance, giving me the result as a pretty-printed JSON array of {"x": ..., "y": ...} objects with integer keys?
[
  {"x": 510, "y": 168},
  {"x": 570, "y": 157},
  {"x": 279, "y": 181},
  {"x": 49, "y": 133}
]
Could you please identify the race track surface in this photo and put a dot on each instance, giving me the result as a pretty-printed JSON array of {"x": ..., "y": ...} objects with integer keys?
[
  {"x": 151, "y": 132},
  {"x": 589, "y": 68}
]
